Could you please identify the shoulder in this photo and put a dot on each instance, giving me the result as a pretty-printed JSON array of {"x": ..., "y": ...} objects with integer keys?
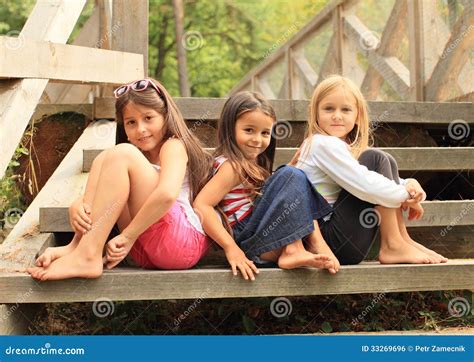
[
  {"x": 227, "y": 172},
  {"x": 173, "y": 145},
  {"x": 321, "y": 142}
]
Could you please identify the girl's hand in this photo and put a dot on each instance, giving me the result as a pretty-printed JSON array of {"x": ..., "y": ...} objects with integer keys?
[
  {"x": 415, "y": 211},
  {"x": 415, "y": 190},
  {"x": 116, "y": 250},
  {"x": 237, "y": 259},
  {"x": 79, "y": 216}
]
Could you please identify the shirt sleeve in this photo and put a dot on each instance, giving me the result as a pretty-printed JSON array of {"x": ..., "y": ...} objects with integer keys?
[{"x": 333, "y": 157}]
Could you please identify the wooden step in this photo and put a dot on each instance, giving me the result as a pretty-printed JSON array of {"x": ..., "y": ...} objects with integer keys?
[
  {"x": 408, "y": 158},
  {"x": 297, "y": 110},
  {"x": 437, "y": 213},
  {"x": 137, "y": 284}
]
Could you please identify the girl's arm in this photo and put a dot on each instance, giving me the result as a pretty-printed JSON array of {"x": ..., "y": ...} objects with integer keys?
[
  {"x": 173, "y": 161},
  {"x": 332, "y": 156},
  {"x": 222, "y": 183}
]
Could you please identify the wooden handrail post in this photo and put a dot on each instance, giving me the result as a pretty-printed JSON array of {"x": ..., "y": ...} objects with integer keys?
[{"x": 416, "y": 45}]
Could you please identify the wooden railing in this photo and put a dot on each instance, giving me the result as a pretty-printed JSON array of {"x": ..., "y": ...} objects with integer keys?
[
  {"x": 438, "y": 58},
  {"x": 39, "y": 54}
]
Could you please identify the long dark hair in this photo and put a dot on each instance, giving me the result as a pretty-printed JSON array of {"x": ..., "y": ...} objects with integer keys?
[
  {"x": 199, "y": 160},
  {"x": 253, "y": 175}
]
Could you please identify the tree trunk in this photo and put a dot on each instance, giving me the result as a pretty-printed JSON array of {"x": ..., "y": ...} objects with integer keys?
[{"x": 182, "y": 67}]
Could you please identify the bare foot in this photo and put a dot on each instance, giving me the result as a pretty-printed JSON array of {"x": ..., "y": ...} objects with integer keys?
[
  {"x": 319, "y": 246},
  {"x": 403, "y": 253},
  {"x": 72, "y": 265},
  {"x": 299, "y": 258},
  {"x": 433, "y": 254},
  {"x": 53, "y": 253}
]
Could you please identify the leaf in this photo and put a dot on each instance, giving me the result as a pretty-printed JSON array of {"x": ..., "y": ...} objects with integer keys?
[{"x": 326, "y": 327}]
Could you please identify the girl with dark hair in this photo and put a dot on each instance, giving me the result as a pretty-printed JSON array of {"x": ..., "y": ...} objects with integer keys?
[
  {"x": 264, "y": 217},
  {"x": 146, "y": 186}
]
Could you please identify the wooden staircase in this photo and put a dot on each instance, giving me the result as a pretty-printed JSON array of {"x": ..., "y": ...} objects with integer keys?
[
  {"x": 447, "y": 226},
  {"x": 212, "y": 278}
]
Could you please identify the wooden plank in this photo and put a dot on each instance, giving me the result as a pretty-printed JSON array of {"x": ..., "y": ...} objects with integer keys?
[
  {"x": 297, "y": 110},
  {"x": 265, "y": 88},
  {"x": 417, "y": 50},
  {"x": 455, "y": 55},
  {"x": 305, "y": 69},
  {"x": 329, "y": 65},
  {"x": 408, "y": 158},
  {"x": 51, "y": 20},
  {"x": 56, "y": 93},
  {"x": 130, "y": 24},
  {"x": 68, "y": 63},
  {"x": 135, "y": 284},
  {"x": 48, "y": 109},
  {"x": 24, "y": 241},
  {"x": 389, "y": 42},
  {"x": 393, "y": 71},
  {"x": 437, "y": 213}
]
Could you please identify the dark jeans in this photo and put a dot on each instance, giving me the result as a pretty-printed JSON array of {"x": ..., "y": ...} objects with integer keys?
[
  {"x": 283, "y": 213},
  {"x": 351, "y": 230}
]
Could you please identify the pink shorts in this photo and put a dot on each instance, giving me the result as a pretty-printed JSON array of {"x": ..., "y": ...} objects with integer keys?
[{"x": 170, "y": 243}]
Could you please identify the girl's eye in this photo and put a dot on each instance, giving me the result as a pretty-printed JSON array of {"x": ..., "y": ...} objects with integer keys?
[
  {"x": 347, "y": 109},
  {"x": 248, "y": 130},
  {"x": 128, "y": 123},
  {"x": 328, "y": 109},
  {"x": 147, "y": 118},
  {"x": 266, "y": 133}
]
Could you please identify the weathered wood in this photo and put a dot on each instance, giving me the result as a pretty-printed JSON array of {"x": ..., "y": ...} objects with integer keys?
[
  {"x": 131, "y": 28},
  {"x": 68, "y": 63},
  {"x": 297, "y": 110},
  {"x": 24, "y": 241},
  {"x": 394, "y": 72},
  {"x": 417, "y": 50},
  {"x": 329, "y": 65},
  {"x": 49, "y": 21},
  {"x": 17, "y": 317},
  {"x": 265, "y": 88},
  {"x": 136, "y": 284},
  {"x": 391, "y": 37},
  {"x": 408, "y": 158},
  {"x": 305, "y": 69},
  {"x": 437, "y": 213},
  {"x": 65, "y": 93},
  {"x": 455, "y": 54}
]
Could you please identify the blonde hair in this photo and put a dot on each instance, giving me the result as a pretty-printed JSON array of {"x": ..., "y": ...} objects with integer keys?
[
  {"x": 358, "y": 138},
  {"x": 199, "y": 160}
]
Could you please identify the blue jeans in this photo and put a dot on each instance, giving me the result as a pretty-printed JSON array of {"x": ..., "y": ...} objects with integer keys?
[{"x": 283, "y": 213}]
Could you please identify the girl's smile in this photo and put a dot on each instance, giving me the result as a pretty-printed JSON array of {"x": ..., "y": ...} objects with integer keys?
[
  {"x": 144, "y": 127},
  {"x": 337, "y": 113},
  {"x": 253, "y": 133}
]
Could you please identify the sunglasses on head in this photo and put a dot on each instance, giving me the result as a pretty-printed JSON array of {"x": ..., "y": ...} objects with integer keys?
[{"x": 139, "y": 85}]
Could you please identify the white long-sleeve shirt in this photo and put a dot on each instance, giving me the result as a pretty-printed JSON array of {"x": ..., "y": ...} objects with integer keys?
[{"x": 331, "y": 167}]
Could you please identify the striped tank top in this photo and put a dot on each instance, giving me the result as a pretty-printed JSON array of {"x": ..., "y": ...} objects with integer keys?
[{"x": 236, "y": 204}]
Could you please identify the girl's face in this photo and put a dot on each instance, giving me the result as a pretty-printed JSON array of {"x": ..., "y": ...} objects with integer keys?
[
  {"x": 143, "y": 126},
  {"x": 337, "y": 113},
  {"x": 253, "y": 131}
]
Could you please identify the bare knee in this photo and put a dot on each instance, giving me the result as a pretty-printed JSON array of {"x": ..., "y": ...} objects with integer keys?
[{"x": 122, "y": 152}]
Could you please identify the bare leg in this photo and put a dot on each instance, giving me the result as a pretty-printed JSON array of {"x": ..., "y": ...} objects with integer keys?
[
  {"x": 133, "y": 180},
  {"x": 52, "y": 253},
  {"x": 393, "y": 248},
  {"x": 404, "y": 232},
  {"x": 294, "y": 255},
  {"x": 317, "y": 245}
]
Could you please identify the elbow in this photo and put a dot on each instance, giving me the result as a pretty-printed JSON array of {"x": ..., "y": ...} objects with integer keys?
[{"x": 167, "y": 198}]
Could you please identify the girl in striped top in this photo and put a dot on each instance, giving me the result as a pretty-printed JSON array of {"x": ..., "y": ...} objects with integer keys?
[{"x": 264, "y": 217}]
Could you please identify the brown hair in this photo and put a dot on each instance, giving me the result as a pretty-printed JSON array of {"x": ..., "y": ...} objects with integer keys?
[
  {"x": 253, "y": 175},
  {"x": 358, "y": 138},
  {"x": 199, "y": 160}
]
